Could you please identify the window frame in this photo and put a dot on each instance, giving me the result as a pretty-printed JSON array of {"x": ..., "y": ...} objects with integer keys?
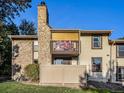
[
  {"x": 35, "y": 45},
  {"x": 35, "y": 48},
  {"x": 92, "y": 42},
  {"x": 119, "y": 75},
  {"x": 117, "y": 51},
  {"x": 65, "y": 60},
  {"x": 92, "y": 64}
]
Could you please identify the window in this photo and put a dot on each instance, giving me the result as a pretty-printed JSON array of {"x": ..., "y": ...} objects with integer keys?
[
  {"x": 35, "y": 45},
  {"x": 96, "y": 42},
  {"x": 120, "y": 51},
  {"x": 65, "y": 60},
  {"x": 96, "y": 64},
  {"x": 120, "y": 73},
  {"x": 62, "y": 60}
]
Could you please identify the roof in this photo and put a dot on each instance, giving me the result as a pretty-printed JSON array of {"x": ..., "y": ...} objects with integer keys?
[
  {"x": 65, "y": 30},
  {"x": 35, "y": 37},
  {"x": 96, "y": 32},
  {"x": 83, "y": 32},
  {"x": 116, "y": 41}
]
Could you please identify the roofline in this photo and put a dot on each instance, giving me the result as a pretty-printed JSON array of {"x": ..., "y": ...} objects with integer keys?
[
  {"x": 84, "y": 31},
  {"x": 13, "y": 37},
  {"x": 65, "y": 29},
  {"x": 96, "y": 32},
  {"x": 116, "y": 41}
]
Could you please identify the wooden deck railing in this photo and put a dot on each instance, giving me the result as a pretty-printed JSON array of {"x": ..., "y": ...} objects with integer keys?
[{"x": 65, "y": 47}]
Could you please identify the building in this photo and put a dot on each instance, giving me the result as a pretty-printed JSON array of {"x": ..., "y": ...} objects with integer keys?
[{"x": 66, "y": 55}]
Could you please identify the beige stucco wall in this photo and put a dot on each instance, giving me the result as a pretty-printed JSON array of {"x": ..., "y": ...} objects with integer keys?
[
  {"x": 115, "y": 61},
  {"x": 25, "y": 55},
  {"x": 87, "y": 53},
  {"x": 119, "y": 61},
  {"x": 62, "y": 75}
]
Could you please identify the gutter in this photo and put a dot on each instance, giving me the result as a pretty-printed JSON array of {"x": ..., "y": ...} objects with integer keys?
[{"x": 111, "y": 60}]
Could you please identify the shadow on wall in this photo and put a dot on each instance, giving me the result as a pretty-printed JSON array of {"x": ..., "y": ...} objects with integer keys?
[
  {"x": 17, "y": 75},
  {"x": 83, "y": 81},
  {"x": 16, "y": 68},
  {"x": 15, "y": 51},
  {"x": 97, "y": 80},
  {"x": 109, "y": 76}
]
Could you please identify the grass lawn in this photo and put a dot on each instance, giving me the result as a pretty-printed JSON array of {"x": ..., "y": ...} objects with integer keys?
[{"x": 14, "y": 87}]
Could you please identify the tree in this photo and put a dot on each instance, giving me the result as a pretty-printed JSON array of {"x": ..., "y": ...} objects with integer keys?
[
  {"x": 0, "y": 34},
  {"x": 12, "y": 29},
  {"x": 5, "y": 47},
  {"x": 8, "y": 10},
  {"x": 122, "y": 38},
  {"x": 27, "y": 28},
  {"x": 11, "y": 8}
]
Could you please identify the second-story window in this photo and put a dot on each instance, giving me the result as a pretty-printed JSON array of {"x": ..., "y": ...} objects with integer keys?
[
  {"x": 96, "y": 42},
  {"x": 120, "y": 51}
]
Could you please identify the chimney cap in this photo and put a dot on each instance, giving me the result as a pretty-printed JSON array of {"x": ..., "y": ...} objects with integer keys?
[{"x": 43, "y": 2}]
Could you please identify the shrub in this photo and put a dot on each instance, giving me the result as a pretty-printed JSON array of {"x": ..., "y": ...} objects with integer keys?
[{"x": 32, "y": 72}]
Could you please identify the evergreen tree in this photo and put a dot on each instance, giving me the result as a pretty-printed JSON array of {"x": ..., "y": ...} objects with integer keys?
[
  {"x": 11, "y": 8},
  {"x": 5, "y": 47},
  {"x": 8, "y": 10},
  {"x": 27, "y": 28}
]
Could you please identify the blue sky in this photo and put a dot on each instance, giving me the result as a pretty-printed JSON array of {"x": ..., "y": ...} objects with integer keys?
[{"x": 82, "y": 14}]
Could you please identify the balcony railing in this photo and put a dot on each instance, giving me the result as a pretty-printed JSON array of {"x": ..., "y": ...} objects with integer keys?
[{"x": 65, "y": 47}]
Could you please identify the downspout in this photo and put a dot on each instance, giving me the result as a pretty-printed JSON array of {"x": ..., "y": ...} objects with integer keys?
[{"x": 111, "y": 61}]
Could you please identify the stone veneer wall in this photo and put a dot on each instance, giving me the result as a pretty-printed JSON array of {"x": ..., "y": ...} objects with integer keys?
[
  {"x": 44, "y": 36},
  {"x": 24, "y": 57},
  {"x": 44, "y": 46}
]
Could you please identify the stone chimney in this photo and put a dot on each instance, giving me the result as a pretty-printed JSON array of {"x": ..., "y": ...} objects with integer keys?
[{"x": 44, "y": 35}]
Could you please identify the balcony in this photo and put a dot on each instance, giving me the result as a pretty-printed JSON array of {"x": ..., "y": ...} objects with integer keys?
[{"x": 65, "y": 47}]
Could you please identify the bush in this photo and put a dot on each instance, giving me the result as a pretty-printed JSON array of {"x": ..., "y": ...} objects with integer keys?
[{"x": 32, "y": 72}]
